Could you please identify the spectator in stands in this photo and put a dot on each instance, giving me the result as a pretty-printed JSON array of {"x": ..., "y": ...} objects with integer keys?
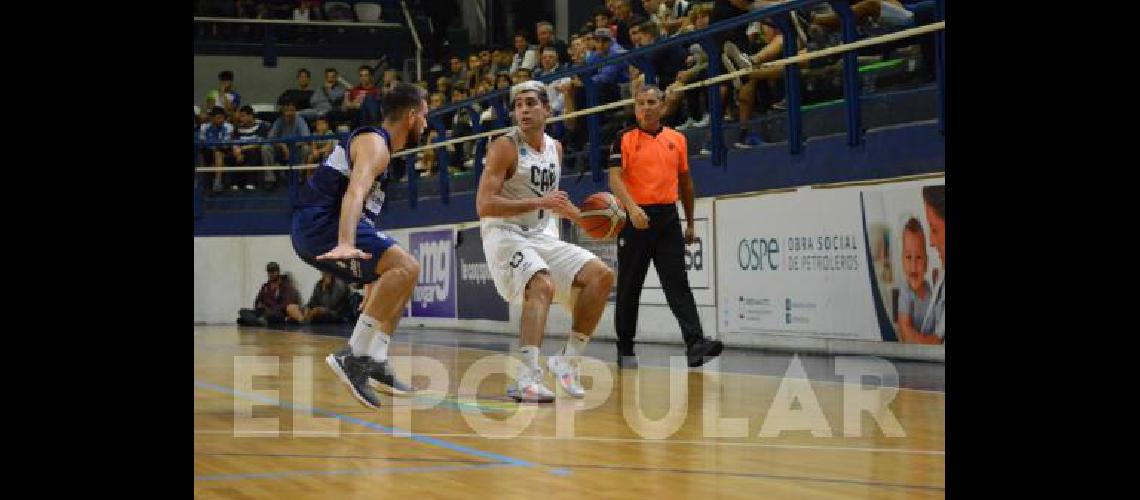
[
  {"x": 609, "y": 77},
  {"x": 655, "y": 12},
  {"x": 502, "y": 80},
  {"x": 570, "y": 90},
  {"x": 391, "y": 78},
  {"x": 329, "y": 301},
  {"x": 548, "y": 63},
  {"x": 461, "y": 125},
  {"x": 321, "y": 149},
  {"x": 603, "y": 18},
  {"x": 666, "y": 62},
  {"x": 624, "y": 19},
  {"x": 759, "y": 85},
  {"x": 475, "y": 71},
  {"x": 224, "y": 96},
  {"x": 435, "y": 101},
  {"x": 357, "y": 96},
  {"x": 676, "y": 12},
  {"x": 302, "y": 96},
  {"x": 520, "y": 75},
  {"x": 277, "y": 301},
  {"x": 457, "y": 69},
  {"x": 426, "y": 164},
  {"x": 525, "y": 55},
  {"x": 502, "y": 58},
  {"x": 215, "y": 130},
  {"x": 289, "y": 125},
  {"x": 485, "y": 59},
  {"x": 443, "y": 86},
  {"x": 249, "y": 128},
  {"x": 328, "y": 99},
  {"x": 544, "y": 32},
  {"x": 697, "y": 69}
]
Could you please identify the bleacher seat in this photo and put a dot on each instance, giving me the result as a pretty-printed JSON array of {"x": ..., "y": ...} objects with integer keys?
[
  {"x": 338, "y": 11},
  {"x": 367, "y": 12}
]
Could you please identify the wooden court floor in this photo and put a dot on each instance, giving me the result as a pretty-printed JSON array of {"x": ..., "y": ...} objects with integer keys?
[{"x": 272, "y": 421}]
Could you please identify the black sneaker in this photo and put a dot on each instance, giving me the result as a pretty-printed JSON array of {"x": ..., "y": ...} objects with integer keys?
[
  {"x": 702, "y": 350},
  {"x": 382, "y": 378},
  {"x": 353, "y": 371}
]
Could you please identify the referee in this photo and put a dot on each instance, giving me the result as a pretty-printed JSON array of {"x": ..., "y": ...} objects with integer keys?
[{"x": 647, "y": 164}]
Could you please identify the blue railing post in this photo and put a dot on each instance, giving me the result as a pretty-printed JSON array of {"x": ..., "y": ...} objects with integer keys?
[
  {"x": 851, "y": 87},
  {"x": 442, "y": 158},
  {"x": 291, "y": 175},
  {"x": 480, "y": 145},
  {"x": 593, "y": 127},
  {"x": 269, "y": 56},
  {"x": 413, "y": 180},
  {"x": 940, "y": 64},
  {"x": 197, "y": 184},
  {"x": 792, "y": 84},
  {"x": 716, "y": 111}
]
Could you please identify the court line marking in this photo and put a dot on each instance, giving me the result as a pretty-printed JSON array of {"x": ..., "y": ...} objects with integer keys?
[
  {"x": 802, "y": 447},
  {"x": 348, "y": 457},
  {"x": 760, "y": 475},
  {"x": 353, "y": 472},
  {"x": 429, "y": 440}
]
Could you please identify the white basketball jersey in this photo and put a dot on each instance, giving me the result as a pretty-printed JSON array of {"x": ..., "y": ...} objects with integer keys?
[{"x": 535, "y": 175}]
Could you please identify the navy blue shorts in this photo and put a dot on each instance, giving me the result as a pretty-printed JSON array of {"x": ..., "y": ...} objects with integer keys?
[{"x": 315, "y": 233}]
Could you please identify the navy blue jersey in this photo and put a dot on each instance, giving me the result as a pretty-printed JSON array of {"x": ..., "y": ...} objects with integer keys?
[{"x": 326, "y": 188}]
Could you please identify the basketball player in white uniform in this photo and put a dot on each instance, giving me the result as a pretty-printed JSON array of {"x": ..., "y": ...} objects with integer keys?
[{"x": 518, "y": 201}]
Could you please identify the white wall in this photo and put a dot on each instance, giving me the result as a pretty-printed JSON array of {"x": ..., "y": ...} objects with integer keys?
[{"x": 228, "y": 272}]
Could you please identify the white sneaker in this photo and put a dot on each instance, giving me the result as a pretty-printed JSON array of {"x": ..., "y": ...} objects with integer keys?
[
  {"x": 729, "y": 67},
  {"x": 689, "y": 123},
  {"x": 566, "y": 372},
  {"x": 249, "y": 187},
  {"x": 740, "y": 61},
  {"x": 528, "y": 387},
  {"x": 733, "y": 59},
  {"x": 703, "y": 122}
]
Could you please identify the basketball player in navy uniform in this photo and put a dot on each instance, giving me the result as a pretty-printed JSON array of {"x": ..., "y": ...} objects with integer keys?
[
  {"x": 334, "y": 230},
  {"x": 518, "y": 201}
]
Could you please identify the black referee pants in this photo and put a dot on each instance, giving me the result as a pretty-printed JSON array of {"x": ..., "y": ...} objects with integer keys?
[{"x": 663, "y": 242}]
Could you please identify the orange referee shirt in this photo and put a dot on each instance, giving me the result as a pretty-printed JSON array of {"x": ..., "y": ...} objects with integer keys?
[{"x": 650, "y": 163}]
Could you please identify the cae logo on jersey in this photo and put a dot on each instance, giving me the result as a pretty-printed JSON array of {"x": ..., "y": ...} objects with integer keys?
[{"x": 542, "y": 177}]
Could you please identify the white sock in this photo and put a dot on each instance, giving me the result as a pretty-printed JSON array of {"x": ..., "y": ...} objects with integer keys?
[
  {"x": 361, "y": 339},
  {"x": 575, "y": 344},
  {"x": 528, "y": 354},
  {"x": 379, "y": 347}
]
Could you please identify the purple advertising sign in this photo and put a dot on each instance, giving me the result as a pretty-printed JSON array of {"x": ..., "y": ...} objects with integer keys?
[
  {"x": 478, "y": 298},
  {"x": 434, "y": 295}
]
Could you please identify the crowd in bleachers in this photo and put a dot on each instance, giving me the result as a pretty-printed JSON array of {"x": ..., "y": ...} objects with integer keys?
[{"x": 335, "y": 105}]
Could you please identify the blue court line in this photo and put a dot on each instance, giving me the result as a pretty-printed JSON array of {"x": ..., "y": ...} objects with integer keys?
[
  {"x": 348, "y": 472},
  {"x": 382, "y": 428}
]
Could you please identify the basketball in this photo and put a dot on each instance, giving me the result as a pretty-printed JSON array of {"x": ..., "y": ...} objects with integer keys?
[{"x": 603, "y": 215}]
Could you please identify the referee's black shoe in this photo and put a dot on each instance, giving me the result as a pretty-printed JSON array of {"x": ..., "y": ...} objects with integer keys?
[{"x": 702, "y": 350}]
